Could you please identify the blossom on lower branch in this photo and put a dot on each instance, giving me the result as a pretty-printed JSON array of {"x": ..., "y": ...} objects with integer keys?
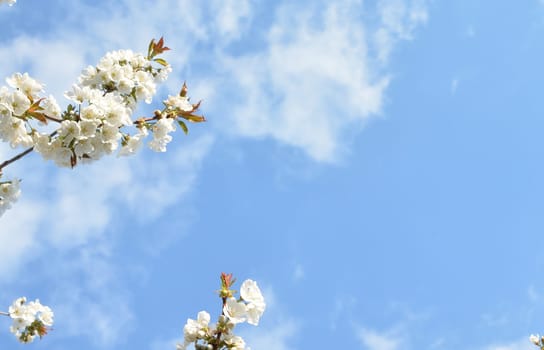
[
  {"x": 30, "y": 320},
  {"x": 9, "y": 193},
  {"x": 537, "y": 340},
  {"x": 220, "y": 336},
  {"x": 9, "y": 2}
]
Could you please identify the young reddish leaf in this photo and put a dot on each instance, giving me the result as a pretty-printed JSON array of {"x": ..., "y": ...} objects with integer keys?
[
  {"x": 37, "y": 115},
  {"x": 156, "y": 48},
  {"x": 35, "y": 106},
  {"x": 160, "y": 48},
  {"x": 196, "y": 105},
  {"x": 183, "y": 91}
]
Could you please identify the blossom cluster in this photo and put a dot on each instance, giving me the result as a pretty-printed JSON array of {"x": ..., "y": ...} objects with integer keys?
[
  {"x": 9, "y": 192},
  {"x": 98, "y": 121},
  {"x": 537, "y": 340},
  {"x": 249, "y": 307},
  {"x": 30, "y": 320},
  {"x": 9, "y": 2}
]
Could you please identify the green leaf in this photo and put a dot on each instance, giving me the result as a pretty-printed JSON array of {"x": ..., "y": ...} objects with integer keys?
[
  {"x": 183, "y": 127},
  {"x": 150, "y": 48},
  {"x": 161, "y": 61}
]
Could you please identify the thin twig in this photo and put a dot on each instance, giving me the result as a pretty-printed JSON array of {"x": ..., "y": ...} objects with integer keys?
[
  {"x": 21, "y": 155},
  {"x": 53, "y": 119},
  {"x": 17, "y": 157},
  {"x": 4, "y": 313}
]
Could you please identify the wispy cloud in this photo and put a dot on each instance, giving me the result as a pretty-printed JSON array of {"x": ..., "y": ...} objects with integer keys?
[
  {"x": 277, "y": 328},
  {"x": 454, "y": 85},
  {"x": 521, "y": 344},
  {"x": 321, "y": 75},
  {"x": 82, "y": 203},
  {"x": 310, "y": 84},
  {"x": 89, "y": 299},
  {"x": 375, "y": 340},
  {"x": 231, "y": 17},
  {"x": 399, "y": 19}
]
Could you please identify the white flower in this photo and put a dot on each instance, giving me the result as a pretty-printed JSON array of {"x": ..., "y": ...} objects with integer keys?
[
  {"x": 535, "y": 339},
  {"x": 88, "y": 128},
  {"x": 133, "y": 143},
  {"x": 250, "y": 292},
  {"x": 9, "y": 193},
  {"x": 62, "y": 156},
  {"x": 69, "y": 131},
  {"x": 178, "y": 103},
  {"x": 9, "y": 2},
  {"x": 160, "y": 134},
  {"x": 194, "y": 330},
  {"x": 19, "y": 102},
  {"x": 235, "y": 342},
  {"x": 125, "y": 86},
  {"x": 25, "y": 83},
  {"x": 163, "y": 74},
  {"x": 235, "y": 310},
  {"x": 13, "y": 130},
  {"x": 163, "y": 127},
  {"x": 80, "y": 94},
  {"x": 51, "y": 107},
  {"x": 83, "y": 147},
  {"x": 29, "y": 319}
]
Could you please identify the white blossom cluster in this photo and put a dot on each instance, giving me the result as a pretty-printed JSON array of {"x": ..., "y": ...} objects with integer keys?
[
  {"x": 104, "y": 99},
  {"x": 99, "y": 118},
  {"x": 19, "y": 106},
  {"x": 30, "y": 320},
  {"x": 9, "y": 193},
  {"x": 206, "y": 336},
  {"x": 9, "y": 2},
  {"x": 537, "y": 340},
  {"x": 249, "y": 308}
]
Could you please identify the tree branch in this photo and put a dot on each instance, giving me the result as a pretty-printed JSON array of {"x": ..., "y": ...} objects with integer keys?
[{"x": 17, "y": 157}]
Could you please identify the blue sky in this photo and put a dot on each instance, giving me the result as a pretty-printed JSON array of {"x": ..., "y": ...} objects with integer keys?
[{"x": 376, "y": 166}]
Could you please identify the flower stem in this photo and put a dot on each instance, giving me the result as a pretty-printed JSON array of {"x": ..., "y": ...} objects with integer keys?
[{"x": 4, "y": 313}]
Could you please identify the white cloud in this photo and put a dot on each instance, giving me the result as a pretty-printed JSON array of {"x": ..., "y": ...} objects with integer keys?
[
  {"x": 454, "y": 85},
  {"x": 374, "y": 340},
  {"x": 67, "y": 208},
  {"x": 89, "y": 299},
  {"x": 311, "y": 84},
  {"x": 298, "y": 272},
  {"x": 522, "y": 344},
  {"x": 272, "y": 338},
  {"x": 399, "y": 19},
  {"x": 166, "y": 344},
  {"x": 276, "y": 329},
  {"x": 231, "y": 17},
  {"x": 341, "y": 305},
  {"x": 320, "y": 77},
  {"x": 17, "y": 237},
  {"x": 312, "y": 87},
  {"x": 471, "y": 32}
]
